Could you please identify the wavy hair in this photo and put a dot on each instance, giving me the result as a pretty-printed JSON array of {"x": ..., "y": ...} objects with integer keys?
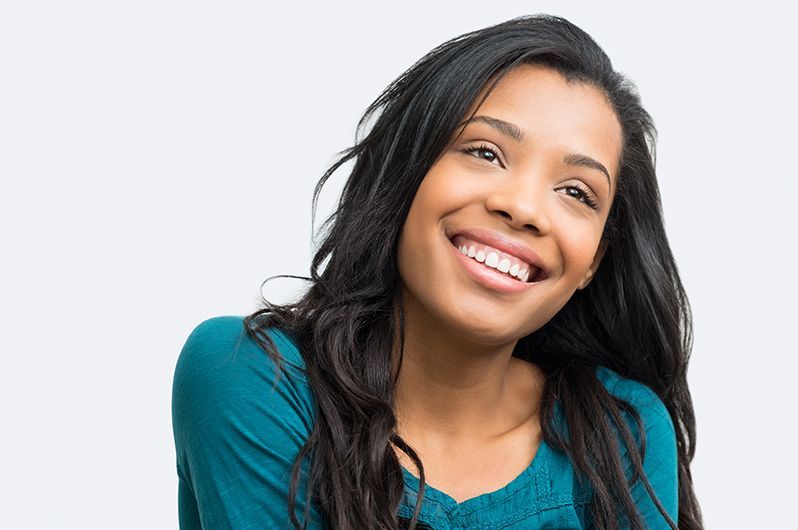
[{"x": 634, "y": 317}]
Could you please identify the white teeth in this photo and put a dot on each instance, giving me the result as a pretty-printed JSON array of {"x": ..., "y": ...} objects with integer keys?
[{"x": 491, "y": 259}]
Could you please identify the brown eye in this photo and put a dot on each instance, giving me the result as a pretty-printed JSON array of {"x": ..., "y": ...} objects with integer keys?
[
  {"x": 581, "y": 195},
  {"x": 483, "y": 152},
  {"x": 576, "y": 193},
  {"x": 487, "y": 154}
]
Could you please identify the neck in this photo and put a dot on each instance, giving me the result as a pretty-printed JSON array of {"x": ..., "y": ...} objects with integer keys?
[{"x": 453, "y": 390}]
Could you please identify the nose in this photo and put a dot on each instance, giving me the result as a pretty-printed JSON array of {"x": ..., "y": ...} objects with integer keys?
[{"x": 522, "y": 202}]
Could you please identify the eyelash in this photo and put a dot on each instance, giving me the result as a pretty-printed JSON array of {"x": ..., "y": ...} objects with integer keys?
[{"x": 587, "y": 196}]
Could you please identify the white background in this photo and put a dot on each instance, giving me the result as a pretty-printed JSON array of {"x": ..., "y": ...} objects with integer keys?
[{"x": 157, "y": 163}]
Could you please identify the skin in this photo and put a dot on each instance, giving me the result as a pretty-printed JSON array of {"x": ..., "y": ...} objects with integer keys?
[{"x": 468, "y": 407}]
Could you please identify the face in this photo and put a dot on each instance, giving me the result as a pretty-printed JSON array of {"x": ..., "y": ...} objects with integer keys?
[{"x": 530, "y": 178}]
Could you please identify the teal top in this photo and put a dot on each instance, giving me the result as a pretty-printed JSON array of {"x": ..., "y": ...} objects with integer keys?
[{"x": 237, "y": 436}]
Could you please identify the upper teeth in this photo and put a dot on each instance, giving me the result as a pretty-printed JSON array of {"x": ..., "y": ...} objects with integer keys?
[{"x": 495, "y": 260}]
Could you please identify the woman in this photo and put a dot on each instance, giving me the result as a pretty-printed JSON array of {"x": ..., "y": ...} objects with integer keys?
[{"x": 499, "y": 338}]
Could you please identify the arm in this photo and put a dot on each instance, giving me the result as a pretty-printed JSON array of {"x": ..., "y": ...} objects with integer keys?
[{"x": 237, "y": 435}]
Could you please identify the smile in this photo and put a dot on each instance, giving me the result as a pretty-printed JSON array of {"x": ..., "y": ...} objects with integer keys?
[
  {"x": 499, "y": 252},
  {"x": 493, "y": 258},
  {"x": 492, "y": 278}
]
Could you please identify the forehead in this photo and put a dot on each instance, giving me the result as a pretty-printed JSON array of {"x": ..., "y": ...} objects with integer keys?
[{"x": 556, "y": 115}]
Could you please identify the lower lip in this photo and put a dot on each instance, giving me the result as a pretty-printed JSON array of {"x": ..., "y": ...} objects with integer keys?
[{"x": 487, "y": 277}]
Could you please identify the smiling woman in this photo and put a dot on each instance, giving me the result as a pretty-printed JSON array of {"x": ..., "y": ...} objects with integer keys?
[{"x": 499, "y": 338}]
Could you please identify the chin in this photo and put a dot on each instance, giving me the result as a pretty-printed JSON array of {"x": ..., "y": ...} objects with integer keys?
[{"x": 479, "y": 329}]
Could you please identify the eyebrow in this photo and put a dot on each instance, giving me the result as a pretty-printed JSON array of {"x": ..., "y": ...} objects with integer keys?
[
  {"x": 576, "y": 159},
  {"x": 514, "y": 132},
  {"x": 504, "y": 127}
]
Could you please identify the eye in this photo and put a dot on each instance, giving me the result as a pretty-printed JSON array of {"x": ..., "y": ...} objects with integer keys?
[
  {"x": 582, "y": 194},
  {"x": 484, "y": 152}
]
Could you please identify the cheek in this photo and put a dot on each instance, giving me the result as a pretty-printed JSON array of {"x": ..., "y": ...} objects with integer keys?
[
  {"x": 446, "y": 185},
  {"x": 412, "y": 254},
  {"x": 578, "y": 247}
]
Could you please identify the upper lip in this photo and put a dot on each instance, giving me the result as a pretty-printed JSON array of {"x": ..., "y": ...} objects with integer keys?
[{"x": 503, "y": 243}]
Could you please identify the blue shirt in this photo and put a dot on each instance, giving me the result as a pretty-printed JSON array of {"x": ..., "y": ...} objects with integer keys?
[{"x": 237, "y": 435}]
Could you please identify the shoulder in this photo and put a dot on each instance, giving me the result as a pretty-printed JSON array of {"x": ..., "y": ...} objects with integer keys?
[
  {"x": 223, "y": 339},
  {"x": 639, "y": 395},
  {"x": 239, "y": 424},
  {"x": 654, "y": 415},
  {"x": 221, "y": 369}
]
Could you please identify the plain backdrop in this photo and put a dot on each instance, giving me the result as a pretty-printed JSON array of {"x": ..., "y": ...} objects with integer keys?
[{"x": 157, "y": 163}]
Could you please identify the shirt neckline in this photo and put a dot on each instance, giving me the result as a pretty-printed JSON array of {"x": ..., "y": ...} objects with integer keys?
[{"x": 485, "y": 499}]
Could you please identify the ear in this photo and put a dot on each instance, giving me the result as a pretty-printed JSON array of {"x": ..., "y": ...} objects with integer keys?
[{"x": 602, "y": 248}]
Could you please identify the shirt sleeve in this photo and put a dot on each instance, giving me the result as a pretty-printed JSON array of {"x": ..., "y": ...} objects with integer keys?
[
  {"x": 237, "y": 433},
  {"x": 660, "y": 462}
]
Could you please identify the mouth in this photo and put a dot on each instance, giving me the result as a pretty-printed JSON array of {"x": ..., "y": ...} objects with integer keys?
[{"x": 504, "y": 263}]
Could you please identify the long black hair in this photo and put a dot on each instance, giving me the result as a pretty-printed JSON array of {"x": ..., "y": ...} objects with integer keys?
[{"x": 634, "y": 316}]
